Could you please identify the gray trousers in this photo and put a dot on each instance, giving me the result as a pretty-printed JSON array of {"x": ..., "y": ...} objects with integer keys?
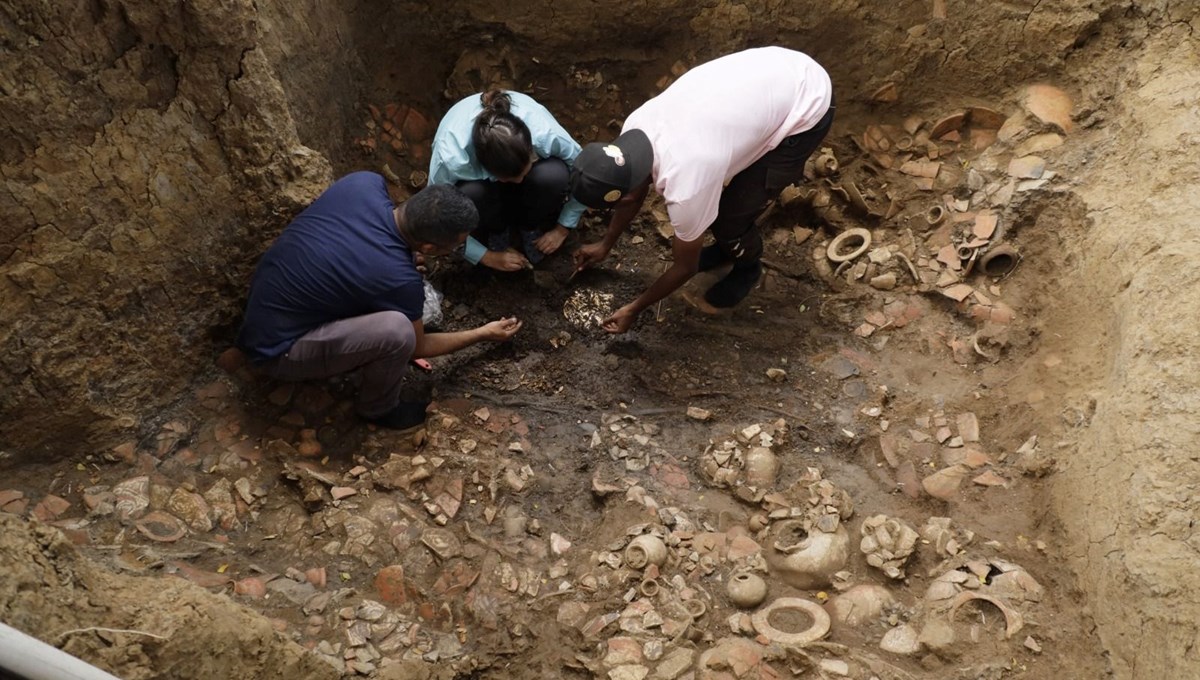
[{"x": 380, "y": 344}]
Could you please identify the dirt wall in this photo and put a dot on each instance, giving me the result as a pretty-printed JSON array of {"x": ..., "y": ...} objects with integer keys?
[
  {"x": 49, "y": 592},
  {"x": 142, "y": 146},
  {"x": 1126, "y": 484}
]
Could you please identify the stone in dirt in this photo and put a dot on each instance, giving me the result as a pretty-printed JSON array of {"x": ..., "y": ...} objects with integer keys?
[
  {"x": 629, "y": 672},
  {"x": 1038, "y": 143},
  {"x": 938, "y": 636},
  {"x": 674, "y": 664},
  {"x": 1028, "y": 167},
  {"x": 901, "y": 640},
  {"x": 697, "y": 413},
  {"x": 835, "y": 667}
]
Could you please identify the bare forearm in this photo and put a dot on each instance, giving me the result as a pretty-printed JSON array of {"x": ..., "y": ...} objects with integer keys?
[{"x": 438, "y": 344}]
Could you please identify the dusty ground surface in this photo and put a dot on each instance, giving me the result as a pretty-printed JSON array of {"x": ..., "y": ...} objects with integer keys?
[{"x": 492, "y": 544}]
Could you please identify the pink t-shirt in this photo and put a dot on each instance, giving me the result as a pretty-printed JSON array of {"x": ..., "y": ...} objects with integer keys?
[{"x": 721, "y": 117}]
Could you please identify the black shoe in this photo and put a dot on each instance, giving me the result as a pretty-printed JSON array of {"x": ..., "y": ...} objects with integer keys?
[
  {"x": 404, "y": 415},
  {"x": 736, "y": 285},
  {"x": 712, "y": 257}
]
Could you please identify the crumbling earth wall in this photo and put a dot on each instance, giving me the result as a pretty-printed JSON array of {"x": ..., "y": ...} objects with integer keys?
[
  {"x": 50, "y": 592},
  {"x": 1126, "y": 490},
  {"x": 142, "y": 147},
  {"x": 150, "y": 151}
]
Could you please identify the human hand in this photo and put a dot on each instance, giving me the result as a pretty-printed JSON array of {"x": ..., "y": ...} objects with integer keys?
[
  {"x": 499, "y": 331},
  {"x": 505, "y": 260},
  {"x": 551, "y": 240},
  {"x": 620, "y": 321},
  {"x": 419, "y": 262},
  {"x": 588, "y": 255}
]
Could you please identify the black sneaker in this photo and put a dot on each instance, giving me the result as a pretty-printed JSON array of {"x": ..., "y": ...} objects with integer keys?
[
  {"x": 736, "y": 285},
  {"x": 405, "y": 415}
]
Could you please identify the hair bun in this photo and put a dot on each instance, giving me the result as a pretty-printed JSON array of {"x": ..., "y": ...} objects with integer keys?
[{"x": 496, "y": 101}]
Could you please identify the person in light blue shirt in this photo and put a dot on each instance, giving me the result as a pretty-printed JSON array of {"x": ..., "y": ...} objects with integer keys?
[{"x": 509, "y": 155}]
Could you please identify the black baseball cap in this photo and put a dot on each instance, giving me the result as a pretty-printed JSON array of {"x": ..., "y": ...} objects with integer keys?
[{"x": 603, "y": 173}]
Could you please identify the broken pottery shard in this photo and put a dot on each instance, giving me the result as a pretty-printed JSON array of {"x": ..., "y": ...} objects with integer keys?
[
  {"x": 622, "y": 650},
  {"x": 888, "y": 445},
  {"x": 50, "y": 508},
  {"x": 886, "y": 93},
  {"x": 204, "y": 579},
  {"x": 161, "y": 526},
  {"x": 876, "y": 317},
  {"x": 983, "y": 117},
  {"x": 250, "y": 587},
  {"x": 1028, "y": 167},
  {"x": 1038, "y": 143},
  {"x": 958, "y": 292},
  {"x": 1050, "y": 105},
  {"x": 340, "y": 492},
  {"x": 133, "y": 497},
  {"x": 864, "y": 330},
  {"x": 906, "y": 479},
  {"x": 948, "y": 255},
  {"x": 442, "y": 542},
  {"x": 990, "y": 478},
  {"x": 985, "y": 225},
  {"x": 943, "y": 484},
  {"x": 884, "y": 281},
  {"x": 947, "y": 124},
  {"x": 926, "y": 169},
  {"x": 968, "y": 427},
  {"x": 389, "y": 583}
]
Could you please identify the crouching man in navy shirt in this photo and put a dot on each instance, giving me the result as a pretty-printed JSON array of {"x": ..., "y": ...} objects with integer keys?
[{"x": 339, "y": 291}]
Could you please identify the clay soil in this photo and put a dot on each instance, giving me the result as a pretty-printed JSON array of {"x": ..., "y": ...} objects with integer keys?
[{"x": 491, "y": 543}]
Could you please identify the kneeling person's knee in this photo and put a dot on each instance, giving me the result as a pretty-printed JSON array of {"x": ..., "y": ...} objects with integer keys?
[{"x": 394, "y": 330}]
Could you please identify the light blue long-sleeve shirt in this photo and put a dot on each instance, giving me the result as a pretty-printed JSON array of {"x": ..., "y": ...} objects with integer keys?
[{"x": 453, "y": 158}]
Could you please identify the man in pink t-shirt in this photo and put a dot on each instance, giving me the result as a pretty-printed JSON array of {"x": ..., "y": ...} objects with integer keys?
[{"x": 718, "y": 144}]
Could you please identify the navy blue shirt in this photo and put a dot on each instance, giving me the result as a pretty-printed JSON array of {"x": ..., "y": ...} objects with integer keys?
[{"x": 342, "y": 257}]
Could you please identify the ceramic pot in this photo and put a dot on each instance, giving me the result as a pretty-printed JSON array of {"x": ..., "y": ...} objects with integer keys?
[{"x": 746, "y": 590}]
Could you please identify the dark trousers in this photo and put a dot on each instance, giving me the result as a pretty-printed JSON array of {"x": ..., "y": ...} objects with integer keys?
[
  {"x": 749, "y": 192},
  {"x": 531, "y": 206},
  {"x": 380, "y": 344}
]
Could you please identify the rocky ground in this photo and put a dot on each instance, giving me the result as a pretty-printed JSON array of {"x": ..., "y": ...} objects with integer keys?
[{"x": 836, "y": 481}]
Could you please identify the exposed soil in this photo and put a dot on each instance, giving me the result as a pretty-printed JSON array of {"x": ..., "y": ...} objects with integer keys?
[{"x": 492, "y": 543}]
